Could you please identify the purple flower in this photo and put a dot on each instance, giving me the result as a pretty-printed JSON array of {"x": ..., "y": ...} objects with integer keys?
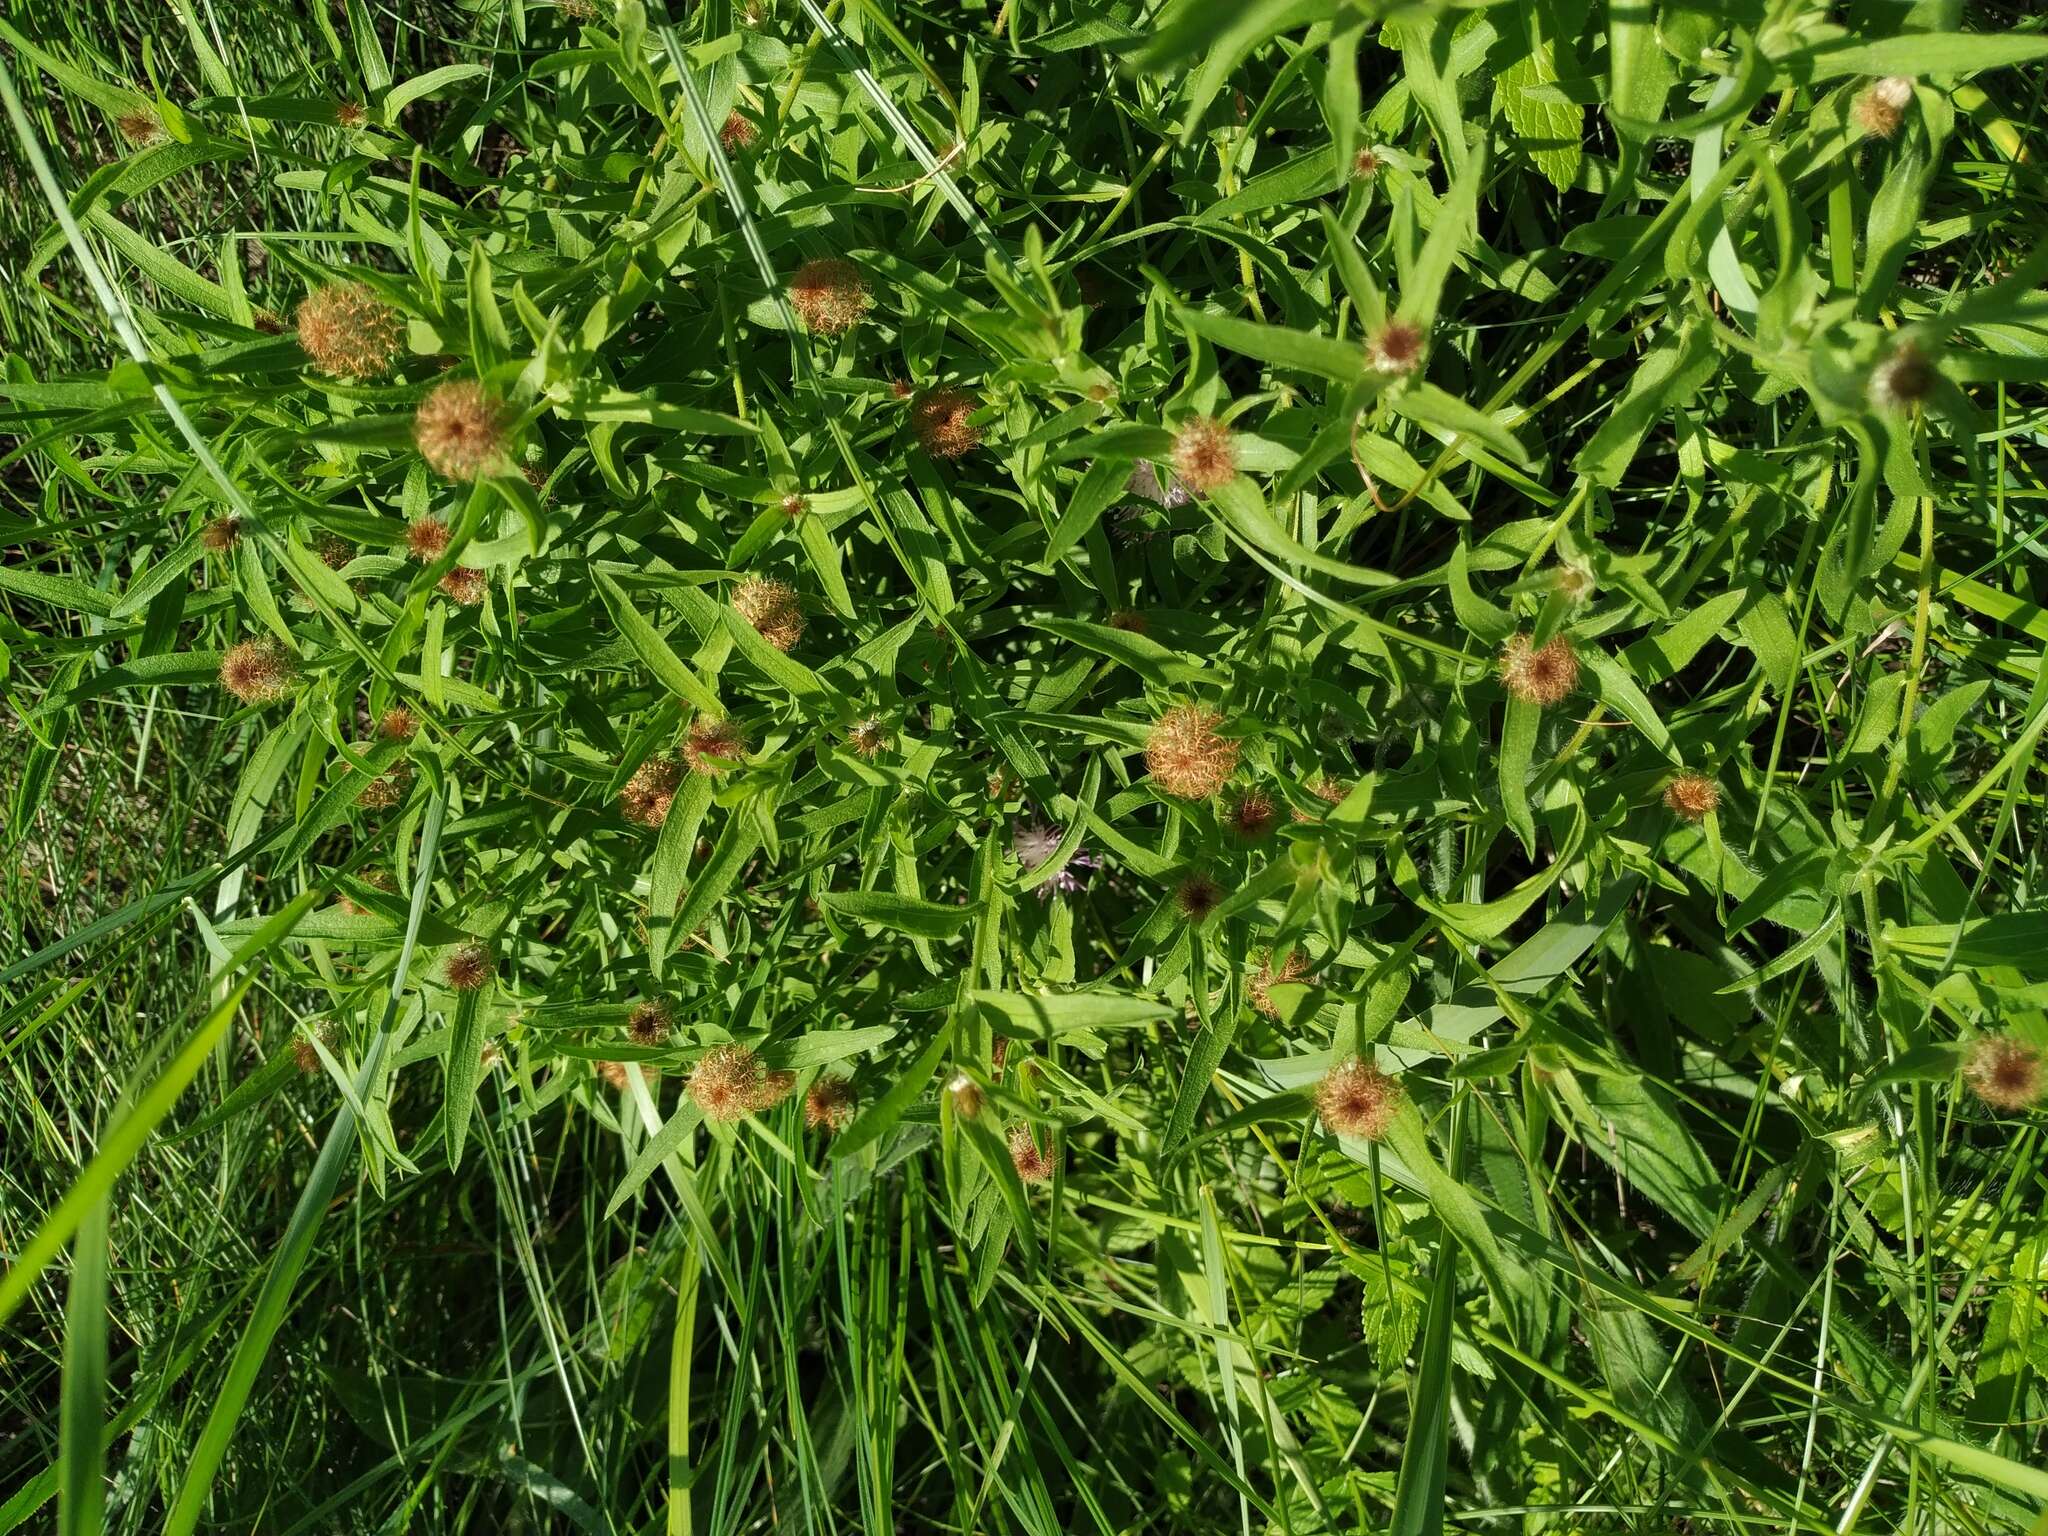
[{"x": 1036, "y": 842}]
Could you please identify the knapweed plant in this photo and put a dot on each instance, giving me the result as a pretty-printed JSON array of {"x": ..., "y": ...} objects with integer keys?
[{"x": 1024, "y": 766}]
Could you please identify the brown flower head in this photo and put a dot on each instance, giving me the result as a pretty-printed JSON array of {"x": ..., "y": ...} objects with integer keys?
[
  {"x": 648, "y": 1023},
  {"x": 828, "y": 1106},
  {"x": 738, "y": 133},
  {"x": 727, "y": 1083},
  {"x": 830, "y": 294},
  {"x": 398, "y": 724},
  {"x": 142, "y": 128},
  {"x": 1204, "y": 457},
  {"x": 868, "y": 737},
  {"x": 258, "y": 671},
  {"x": 1540, "y": 676},
  {"x": 222, "y": 534},
  {"x": 1251, "y": 815},
  {"x": 1365, "y": 165},
  {"x": 350, "y": 114},
  {"x": 1395, "y": 348},
  {"x": 1355, "y": 1098},
  {"x": 1692, "y": 795},
  {"x": 2006, "y": 1073},
  {"x": 1185, "y": 756},
  {"x": 1881, "y": 107},
  {"x": 580, "y": 10},
  {"x": 651, "y": 790},
  {"x": 348, "y": 332},
  {"x": 1266, "y": 979},
  {"x": 1903, "y": 381},
  {"x": 466, "y": 585},
  {"x": 306, "y": 1055},
  {"x": 939, "y": 421},
  {"x": 771, "y": 607},
  {"x": 467, "y": 968},
  {"x": 1197, "y": 896},
  {"x": 713, "y": 745},
  {"x": 965, "y": 1093},
  {"x": 1033, "y": 1165},
  {"x": 334, "y": 553},
  {"x": 1129, "y": 620},
  {"x": 1326, "y": 789},
  {"x": 794, "y": 505},
  {"x": 386, "y": 790},
  {"x": 899, "y": 389},
  {"x": 426, "y": 539},
  {"x": 775, "y": 1087},
  {"x": 460, "y": 429}
]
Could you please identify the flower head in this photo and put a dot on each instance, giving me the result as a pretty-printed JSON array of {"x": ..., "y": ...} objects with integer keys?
[
  {"x": 1129, "y": 620},
  {"x": 775, "y": 1087},
  {"x": 1330, "y": 791},
  {"x": 651, "y": 790},
  {"x": 460, "y": 429},
  {"x": 258, "y": 671},
  {"x": 794, "y": 505},
  {"x": 386, "y": 790},
  {"x": 348, "y": 332},
  {"x": 222, "y": 534},
  {"x": 426, "y": 539},
  {"x": 867, "y": 737},
  {"x": 648, "y": 1023},
  {"x": 1185, "y": 756},
  {"x": 1251, "y": 815},
  {"x": 939, "y": 420},
  {"x": 466, "y": 585},
  {"x": 713, "y": 744},
  {"x": 1266, "y": 979},
  {"x": 305, "y": 1054},
  {"x": 1035, "y": 843},
  {"x": 1355, "y": 1098},
  {"x": 1881, "y": 107},
  {"x": 1197, "y": 896},
  {"x": 1365, "y": 165},
  {"x": 1204, "y": 457},
  {"x": 771, "y": 607},
  {"x": 727, "y": 1083},
  {"x": 614, "y": 1073},
  {"x": 1573, "y": 582},
  {"x": 142, "y": 128},
  {"x": 1536, "y": 675},
  {"x": 350, "y": 114},
  {"x": 830, "y": 294},
  {"x": 376, "y": 879},
  {"x": 1904, "y": 380},
  {"x": 1033, "y": 1165},
  {"x": 965, "y": 1093},
  {"x": 1395, "y": 348},
  {"x": 467, "y": 968},
  {"x": 398, "y": 724},
  {"x": 1692, "y": 795},
  {"x": 828, "y": 1106},
  {"x": 334, "y": 552},
  {"x": 2006, "y": 1073},
  {"x": 737, "y": 133}
]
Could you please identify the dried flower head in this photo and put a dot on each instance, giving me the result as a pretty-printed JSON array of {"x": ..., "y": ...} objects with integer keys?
[
  {"x": 727, "y": 1083},
  {"x": 651, "y": 790},
  {"x": 348, "y": 332},
  {"x": 965, "y": 1093},
  {"x": 398, "y": 724},
  {"x": 426, "y": 539},
  {"x": 142, "y": 128},
  {"x": 1904, "y": 380},
  {"x": 1266, "y": 979},
  {"x": 376, "y": 879},
  {"x": 713, "y": 745},
  {"x": 465, "y": 584},
  {"x": 386, "y": 790},
  {"x": 580, "y": 10},
  {"x": 939, "y": 421},
  {"x": 1365, "y": 165},
  {"x": 335, "y": 553},
  {"x": 1204, "y": 458},
  {"x": 222, "y": 534},
  {"x": 737, "y": 133},
  {"x": 867, "y": 737},
  {"x": 1033, "y": 1165},
  {"x": 828, "y": 1106},
  {"x": 266, "y": 321},
  {"x": 1395, "y": 348},
  {"x": 350, "y": 114},
  {"x": 775, "y": 1087},
  {"x": 1251, "y": 815},
  {"x": 1197, "y": 896},
  {"x": 258, "y": 671},
  {"x": 1692, "y": 795},
  {"x": 771, "y": 607},
  {"x": 1326, "y": 789},
  {"x": 460, "y": 429},
  {"x": 2006, "y": 1073},
  {"x": 1881, "y": 106},
  {"x": 648, "y": 1023},
  {"x": 1573, "y": 582},
  {"x": 1034, "y": 843},
  {"x": 467, "y": 968},
  {"x": 1542, "y": 675},
  {"x": 899, "y": 389},
  {"x": 1185, "y": 756},
  {"x": 1355, "y": 1098},
  {"x": 830, "y": 294},
  {"x": 794, "y": 505},
  {"x": 1129, "y": 620},
  {"x": 305, "y": 1054}
]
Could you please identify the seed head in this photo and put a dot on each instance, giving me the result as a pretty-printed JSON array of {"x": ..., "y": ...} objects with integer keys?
[
  {"x": 965, "y": 1093},
  {"x": 727, "y": 1083},
  {"x": 828, "y": 1106},
  {"x": 771, "y": 607},
  {"x": 1197, "y": 896},
  {"x": 306, "y": 1055},
  {"x": 465, "y": 585},
  {"x": 1252, "y": 815},
  {"x": 460, "y": 429},
  {"x": 258, "y": 671},
  {"x": 222, "y": 534},
  {"x": 713, "y": 745},
  {"x": 350, "y": 114},
  {"x": 1395, "y": 348},
  {"x": 738, "y": 133},
  {"x": 868, "y": 737},
  {"x": 398, "y": 724},
  {"x": 468, "y": 968},
  {"x": 1881, "y": 108},
  {"x": 1355, "y": 1098},
  {"x": 2006, "y": 1073},
  {"x": 1365, "y": 165},
  {"x": 1904, "y": 380},
  {"x": 794, "y": 505},
  {"x": 1034, "y": 843},
  {"x": 1204, "y": 457},
  {"x": 648, "y": 1023},
  {"x": 651, "y": 790},
  {"x": 1033, "y": 1166},
  {"x": 349, "y": 332},
  {"x": 1185, "y": 756},
  {"x": 426, "y": 539},
  {"x": 1129, "y": 620},
  {"x": 386, "y": 790},
  {"x": 830, "y": 294},
  {"x": 775, "y": 1087},
  {"x": 939, "y": 422},
  {"x": 1266, "y": 979},
  {"x": 1536, "y": 676},
  {"x": 1692, "y": 795},
  {"x": 334, "y": 553}
]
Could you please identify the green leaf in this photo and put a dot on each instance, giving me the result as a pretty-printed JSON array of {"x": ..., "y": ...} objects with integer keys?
[
  {"x": 905, "y": 914},
  {"x": 1301, "y": 350}
]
